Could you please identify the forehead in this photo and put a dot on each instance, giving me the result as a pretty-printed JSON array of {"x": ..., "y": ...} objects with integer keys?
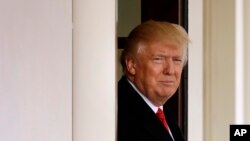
[{"x": 163, "y": 48}]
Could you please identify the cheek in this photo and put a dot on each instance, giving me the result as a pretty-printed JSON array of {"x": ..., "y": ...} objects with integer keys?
[
  {"x": 150, "y": 71},
  {"x": 178, "y": 74}
]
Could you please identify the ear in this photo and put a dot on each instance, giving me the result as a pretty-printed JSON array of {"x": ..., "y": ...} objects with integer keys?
[{"x": 131, "y": 65}]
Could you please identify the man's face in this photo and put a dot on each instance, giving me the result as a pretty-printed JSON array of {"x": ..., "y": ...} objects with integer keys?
[{"x": 158, "y": 70}]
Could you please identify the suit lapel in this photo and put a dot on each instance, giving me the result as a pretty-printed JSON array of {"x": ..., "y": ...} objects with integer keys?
[
  {"x": 140, "y": 114},
  {"x": 148, "y": 118},
  {"x": 175, "y": 130},
  {"x": 154, "y": 127}
]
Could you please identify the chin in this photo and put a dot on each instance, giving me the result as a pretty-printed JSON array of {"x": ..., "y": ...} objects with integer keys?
[
  {"x": 169, "y": 92},
  {"x": 166, "y": 95}
]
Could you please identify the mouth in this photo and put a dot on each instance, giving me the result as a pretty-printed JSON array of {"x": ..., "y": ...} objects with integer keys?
[{"x": 167, "y": 83}]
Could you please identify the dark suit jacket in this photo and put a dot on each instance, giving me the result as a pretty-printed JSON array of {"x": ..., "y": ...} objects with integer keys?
[{"x": 137, "y": 121}]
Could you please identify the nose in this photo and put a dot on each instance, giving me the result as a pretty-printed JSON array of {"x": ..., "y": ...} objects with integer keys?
[{"x": 168, "y": 67}]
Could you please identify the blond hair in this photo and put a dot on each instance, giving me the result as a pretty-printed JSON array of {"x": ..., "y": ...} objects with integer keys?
[{"x": 154, "y": 31}]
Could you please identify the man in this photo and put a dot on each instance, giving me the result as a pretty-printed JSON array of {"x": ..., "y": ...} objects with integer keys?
[{"x": 152, "y": 60}]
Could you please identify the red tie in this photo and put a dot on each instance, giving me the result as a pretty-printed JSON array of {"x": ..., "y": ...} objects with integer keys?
[{"x": 162, "y": 118}]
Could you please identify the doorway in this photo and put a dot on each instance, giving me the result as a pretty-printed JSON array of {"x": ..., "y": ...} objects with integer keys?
[{"x": 133, "y": 12}]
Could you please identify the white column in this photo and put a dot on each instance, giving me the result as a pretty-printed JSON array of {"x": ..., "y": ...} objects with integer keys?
[
  {"x": 239, "y": 62},
  {"x": 247, "y": 60},
  {"x": 94, "y": 70},
  {"x": 195, "y": 71},
  {"x": 36, "y": 70}
]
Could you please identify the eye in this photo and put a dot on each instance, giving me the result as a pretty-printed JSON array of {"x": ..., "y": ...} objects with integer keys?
[
  {"x": 159, "y": 59},
  {"x": 177, "y": 60}
]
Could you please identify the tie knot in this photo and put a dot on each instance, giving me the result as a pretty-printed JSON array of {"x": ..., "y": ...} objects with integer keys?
[{"x": 160, "y": 114}]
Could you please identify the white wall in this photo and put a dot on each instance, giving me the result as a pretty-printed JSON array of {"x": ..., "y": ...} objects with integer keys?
[{"x": 35, "y": 70}]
